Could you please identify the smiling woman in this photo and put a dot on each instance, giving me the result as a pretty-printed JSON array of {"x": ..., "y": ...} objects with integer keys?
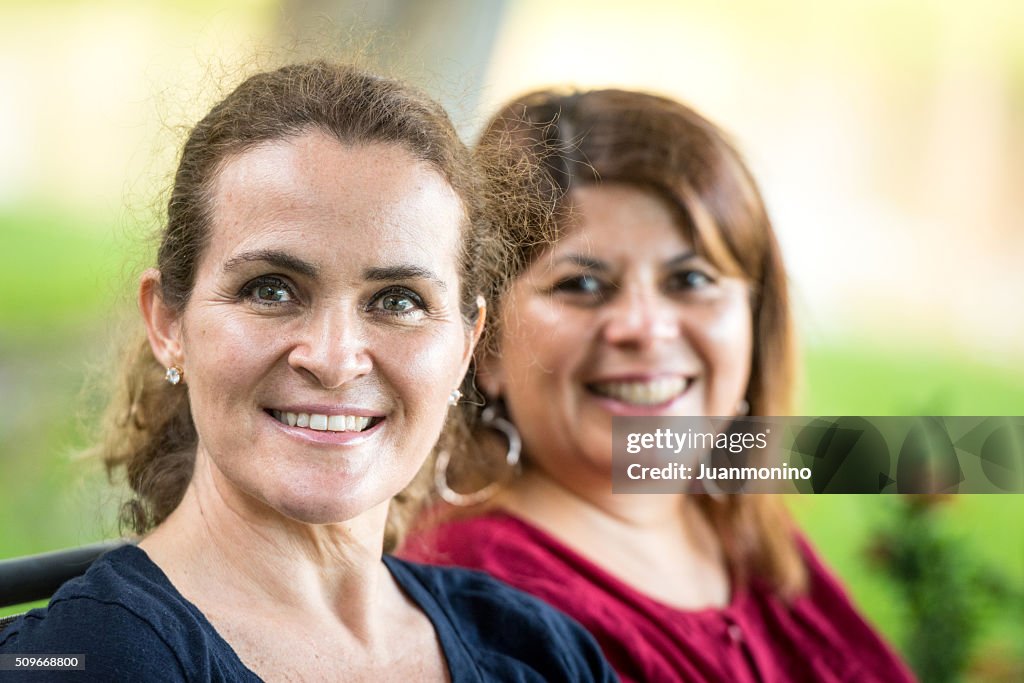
[
  {"x": 287, "y": 317},
  {"x": 313, "y": 311},
  {"x": 664, "y": 295}
]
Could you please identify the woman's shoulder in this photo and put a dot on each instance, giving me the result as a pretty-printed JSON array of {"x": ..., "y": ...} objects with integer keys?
[
  {"x": 501, "y": 631},
  {"x": 126, "y": 620},
  {"x": 496, "y": 542},
  {"x": 524, "y": 556},
  {"x": 824, "y": 591},
  {"x": 108, "y": 617},
  {"x": 843, "y": 634},
  {"x": 460, "y": 588}
]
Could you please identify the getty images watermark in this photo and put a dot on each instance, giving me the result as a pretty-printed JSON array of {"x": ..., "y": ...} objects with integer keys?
[{"x": 818, "y": 455}]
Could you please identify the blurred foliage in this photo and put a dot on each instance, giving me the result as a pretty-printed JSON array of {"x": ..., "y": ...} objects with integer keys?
[
  {"x": 861, "y": 377},
  {"x": 951, "y": 580},
  {"x": 937, "y": 581},
  {"x": 59, "y": 270},
  {"x": 946, "y": 592}
]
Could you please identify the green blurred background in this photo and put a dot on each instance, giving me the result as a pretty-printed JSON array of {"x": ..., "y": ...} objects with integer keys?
[{"x": 888, "y": 138}]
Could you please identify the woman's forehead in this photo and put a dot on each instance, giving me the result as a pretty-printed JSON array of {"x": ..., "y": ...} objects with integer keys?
[
  {"x": 288, "y": 172},
  {"x": 316, "y": 194},
  {"x": 624, "y": 220}
]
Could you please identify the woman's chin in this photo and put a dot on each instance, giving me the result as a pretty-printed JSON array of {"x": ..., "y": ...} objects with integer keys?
[
  {"x": 321, "y": 512},
  {"x": 320, "y": 503}
]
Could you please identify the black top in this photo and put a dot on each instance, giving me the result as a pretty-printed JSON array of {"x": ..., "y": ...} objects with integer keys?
[{"x": 131, "y": 624}]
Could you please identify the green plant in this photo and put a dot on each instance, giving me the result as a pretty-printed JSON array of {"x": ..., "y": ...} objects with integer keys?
[{"x": 945, "y": 590}]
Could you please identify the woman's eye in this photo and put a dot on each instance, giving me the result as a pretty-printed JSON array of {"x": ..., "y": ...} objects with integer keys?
[
  {"x": 690, "y": 279},
  {"x": 399, "y": 302},
  {"x": 272, "y": 293},
  {"x": 269, "y": 291},
  {"x": 581, "y": 284},
  {"x": 396, "y": 303}
]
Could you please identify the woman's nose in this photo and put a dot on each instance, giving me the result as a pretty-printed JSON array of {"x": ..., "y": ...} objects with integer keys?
[
  {"x": 641, "y": 317},
  {"x": 332, "y": 348}
]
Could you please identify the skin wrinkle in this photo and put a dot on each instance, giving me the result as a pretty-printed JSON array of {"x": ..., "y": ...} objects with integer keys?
[{"x": 329, "y": 550}]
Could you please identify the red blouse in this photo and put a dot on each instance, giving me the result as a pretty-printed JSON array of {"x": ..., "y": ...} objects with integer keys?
[{"x": 756, "y": 638}]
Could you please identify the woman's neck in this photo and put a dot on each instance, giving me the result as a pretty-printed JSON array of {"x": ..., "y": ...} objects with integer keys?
[
  {"x": 537, "y": 495},
  {"x": 220, "y": 546},
  {"x": 289, "y": 597},
  {"x": 649, "y": 541}
]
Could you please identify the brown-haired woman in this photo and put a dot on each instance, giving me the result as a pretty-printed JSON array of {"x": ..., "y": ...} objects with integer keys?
[
  {"x": 664, "y": 294},
  {"x": 312, "y": 311}
]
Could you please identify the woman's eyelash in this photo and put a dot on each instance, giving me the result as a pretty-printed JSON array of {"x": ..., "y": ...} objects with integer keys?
[
  {"x": 268, "y": 291},
  {"x": 692, "y": 278},
  {"x": 592, "y": 286},
  {"x": 398, "y": 301},
  {"x": 271, "y": 291},
  {"x": 585, "y": 284}
]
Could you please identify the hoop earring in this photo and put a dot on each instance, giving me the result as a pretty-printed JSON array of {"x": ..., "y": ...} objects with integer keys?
[
  {"x": 488, "y": 418},
  {"x": 174, "y": 375}
]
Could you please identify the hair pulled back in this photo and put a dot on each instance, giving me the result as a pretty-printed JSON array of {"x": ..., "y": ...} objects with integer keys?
[{"x": 148, "y": 429}]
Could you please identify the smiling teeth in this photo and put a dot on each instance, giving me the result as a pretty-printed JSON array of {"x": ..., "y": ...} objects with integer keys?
[
  {"x": 322, "y": 423},
  {"x": 654, "y": 392}
]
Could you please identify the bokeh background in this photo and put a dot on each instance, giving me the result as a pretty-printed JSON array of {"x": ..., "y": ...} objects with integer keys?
[{"x": 888, "y": 136}]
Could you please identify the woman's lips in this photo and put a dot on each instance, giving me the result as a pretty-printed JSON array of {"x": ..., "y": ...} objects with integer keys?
[
  {"x": 323, "y": 422},
  {"x": 329, "y": 428},
  {"x": 643, "y": 393}
]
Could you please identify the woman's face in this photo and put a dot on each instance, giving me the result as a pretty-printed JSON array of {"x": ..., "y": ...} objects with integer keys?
[
  {"x": 620, "y": 317},
  {"x": 323, "y": 335}
]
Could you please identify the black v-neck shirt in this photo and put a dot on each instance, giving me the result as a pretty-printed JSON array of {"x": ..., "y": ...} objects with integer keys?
[{"x": 131, "y": 624}]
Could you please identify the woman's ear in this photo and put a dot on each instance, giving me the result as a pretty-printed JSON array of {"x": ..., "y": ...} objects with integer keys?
[
  {"x": 488, "y": 376},
  {"x": 475, "y": 333},
  {"x": 163, "y": 324},
  {"x": 486, "y": 366}
]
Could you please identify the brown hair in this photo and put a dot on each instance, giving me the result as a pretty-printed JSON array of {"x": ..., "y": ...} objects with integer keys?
[
  {"x": 148, "y": 429},
  {"x": 662, "y": 145}
]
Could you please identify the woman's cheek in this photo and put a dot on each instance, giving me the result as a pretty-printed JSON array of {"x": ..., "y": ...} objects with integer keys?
[
  {"x": 726, "y": 345},
  {"x": 552, "y": 329},
  {"x": 425, "y": 364},
  {"x": 730, "y": 327}
]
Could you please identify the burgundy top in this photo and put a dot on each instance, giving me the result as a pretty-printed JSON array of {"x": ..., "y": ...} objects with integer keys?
[{"x": 756, "y": 638}]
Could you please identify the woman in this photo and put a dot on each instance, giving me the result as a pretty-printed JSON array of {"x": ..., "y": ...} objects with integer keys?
[
  {"x": 312, "y": 312},
  {"x": 665, "y": 295}
]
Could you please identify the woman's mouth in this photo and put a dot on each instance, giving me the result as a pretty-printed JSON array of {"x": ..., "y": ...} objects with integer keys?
[
  {"x": 325, "y": 423},
  {"x": 651, "y": 392}
]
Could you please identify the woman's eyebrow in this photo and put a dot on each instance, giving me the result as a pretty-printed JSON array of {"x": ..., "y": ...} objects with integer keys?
[
  {"x": 404, "y": 271},
  {"x": 682, "y": 258},
  {"x": 583, "y": 261},
  {"x": 274, "y": 257}
]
